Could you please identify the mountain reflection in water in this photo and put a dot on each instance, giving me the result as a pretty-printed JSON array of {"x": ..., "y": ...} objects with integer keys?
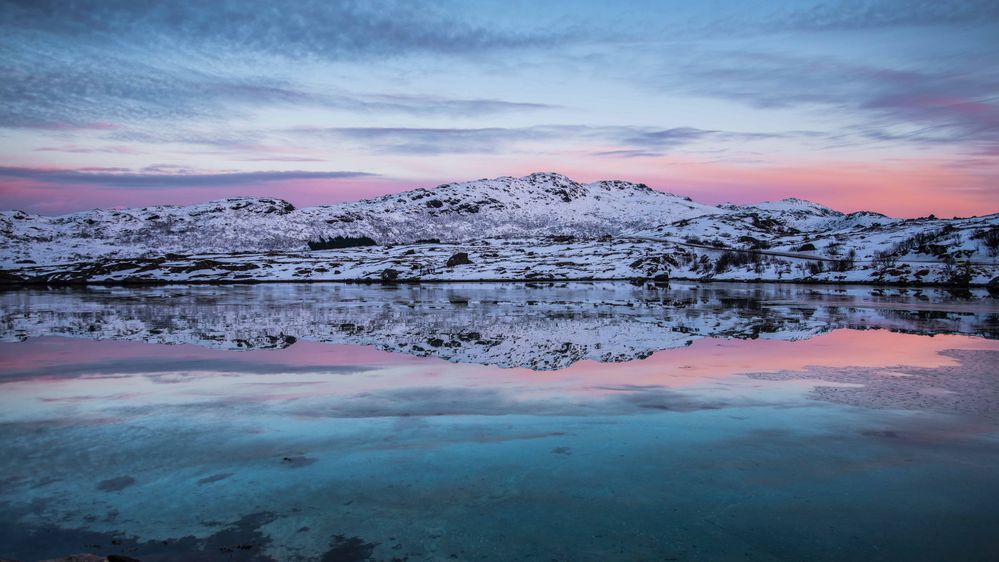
[
  {"x": 499, "y": 422},
  {"x": 541, "y": 327}
]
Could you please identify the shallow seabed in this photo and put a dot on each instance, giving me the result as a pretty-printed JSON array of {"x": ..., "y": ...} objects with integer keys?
[{"x": 575, "y": 422}]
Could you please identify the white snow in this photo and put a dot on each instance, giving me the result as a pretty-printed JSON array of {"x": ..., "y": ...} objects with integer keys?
[{"x": 507, "y": 226}]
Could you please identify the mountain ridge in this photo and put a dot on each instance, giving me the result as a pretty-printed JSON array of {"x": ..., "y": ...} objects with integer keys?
[
  {"x": 612, "y": 228},
  {"x": 536, "y": 205}
]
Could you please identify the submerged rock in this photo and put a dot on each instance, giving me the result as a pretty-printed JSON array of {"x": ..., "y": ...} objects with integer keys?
[
  {"x": 349, "y": 549},
  {"x": 115, "y": 484},
  {"x": 297, "y": 461}
]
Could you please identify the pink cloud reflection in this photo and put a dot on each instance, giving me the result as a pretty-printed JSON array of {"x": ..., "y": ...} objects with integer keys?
[{"x": 706, "y": 361}]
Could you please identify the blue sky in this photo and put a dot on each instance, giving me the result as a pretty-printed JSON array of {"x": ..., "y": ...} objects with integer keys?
[{"x": 892, "y": 106}]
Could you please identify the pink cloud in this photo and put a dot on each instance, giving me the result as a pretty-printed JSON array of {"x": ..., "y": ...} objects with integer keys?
[
  {"x": 59, "y": 199},
  {"x": 900, "y": 187}
]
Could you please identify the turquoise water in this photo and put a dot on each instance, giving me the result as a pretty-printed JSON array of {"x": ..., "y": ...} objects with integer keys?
[{"x": 863, "y": 432}]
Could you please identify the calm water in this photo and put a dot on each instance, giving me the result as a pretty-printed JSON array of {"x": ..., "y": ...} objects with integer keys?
[{"x": 500, "y": 422}]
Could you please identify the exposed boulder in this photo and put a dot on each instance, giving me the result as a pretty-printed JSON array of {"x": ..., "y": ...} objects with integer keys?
[{"x": 461, "y": 258}]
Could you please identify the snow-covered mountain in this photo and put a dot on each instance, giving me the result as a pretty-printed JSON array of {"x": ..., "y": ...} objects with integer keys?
[
  {"x": 537, "y": 205},
  {"x": 543, "y": 225}
]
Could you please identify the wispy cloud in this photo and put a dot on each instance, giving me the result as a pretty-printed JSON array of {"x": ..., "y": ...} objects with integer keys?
[
  {"x": 633, "y": 140},
  {"x": 440, "y": 90},
  {"x": 79, "y": 149},
  {"x": 838, "y": 16},
  {"x": 665, "y": 139},
  {"x": 110, "y": 92},
  {"x": 416, "y": 140},
  {"x": 162, "y": 178},
  {"x": 313, "y": 28},
  {"x": 70, "y": 65},
  {"x": 957, "y": 105}
]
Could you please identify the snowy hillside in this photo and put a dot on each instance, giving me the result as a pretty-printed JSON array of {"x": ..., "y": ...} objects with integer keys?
[
  {"x": 533, "y": 206},
  {"x": 541, "y": 226}
]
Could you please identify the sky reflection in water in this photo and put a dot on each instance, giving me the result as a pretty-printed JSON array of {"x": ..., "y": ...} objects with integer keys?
[{"x": 850, "y": 444}]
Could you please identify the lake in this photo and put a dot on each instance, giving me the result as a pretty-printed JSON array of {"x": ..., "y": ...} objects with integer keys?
[{"x": 579, "y": 421}]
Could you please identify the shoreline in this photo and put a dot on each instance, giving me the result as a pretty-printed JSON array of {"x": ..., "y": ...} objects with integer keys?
[{"x": 14, "y": 285}]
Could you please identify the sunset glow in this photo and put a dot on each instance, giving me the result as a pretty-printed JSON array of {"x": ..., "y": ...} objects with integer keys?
[{"x": 884, "y": 106}]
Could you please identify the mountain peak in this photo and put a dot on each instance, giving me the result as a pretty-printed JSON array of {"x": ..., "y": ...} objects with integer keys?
[
  {"x": 549, "y": 177},
  {"x": 794, "y": 204},
  {"x": 248, "y": 205}
]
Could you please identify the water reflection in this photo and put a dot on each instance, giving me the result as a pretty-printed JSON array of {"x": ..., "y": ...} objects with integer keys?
[
  {"x": 760, "y": 422},
  {"x": 509, "y": 325}
]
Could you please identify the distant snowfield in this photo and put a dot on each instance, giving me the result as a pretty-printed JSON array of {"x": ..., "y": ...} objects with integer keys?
[{"x": 540, "y": 227}]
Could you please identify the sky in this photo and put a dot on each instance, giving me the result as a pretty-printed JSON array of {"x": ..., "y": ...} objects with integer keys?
[{"x": 890, "y": 106}]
